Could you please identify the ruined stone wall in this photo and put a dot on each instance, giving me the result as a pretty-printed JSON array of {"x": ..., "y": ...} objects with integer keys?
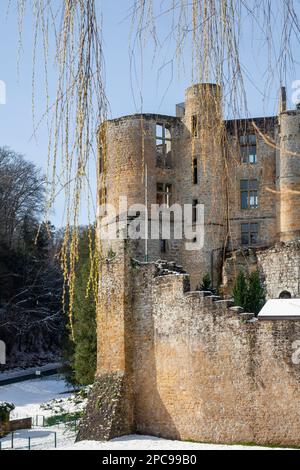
[
  {"x": 244, "y": 261},
  {"x": 187, "y": 365},
  {"x": 202, "y": 372},
  {"x": 280, "y": 269}
]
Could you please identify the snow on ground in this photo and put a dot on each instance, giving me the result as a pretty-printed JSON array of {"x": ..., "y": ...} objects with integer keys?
[
  {"x": 152, "y": 443},
  {"x": 29, "y": 395},
  {"x": 40, "y": 439},
  {"x": 30, "y": 398}
]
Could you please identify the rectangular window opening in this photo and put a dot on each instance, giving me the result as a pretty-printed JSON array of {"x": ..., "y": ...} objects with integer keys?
[
  {"x": 163, "y": 146},
  {"x": 195, "y": 171},
  {"x": 249, "y": 234},
  {"x": 163, "y": 246},
  {"x": 249, "y": 194},
  {"x": 195, "y": 204},
  {"x": 248, "y": 149},
  {"x": 164, "y": 194},
  {"x": 195, "y": 126},
  {"x": 101, "y": 159}
]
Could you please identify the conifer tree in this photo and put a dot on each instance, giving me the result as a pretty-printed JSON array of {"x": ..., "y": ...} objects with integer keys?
[
  {"x": 248, "y": 292},
  {"x": 240, "y": 290},
  {"x": 255, "y": 294},
  {"x": 82, "y": 353}
]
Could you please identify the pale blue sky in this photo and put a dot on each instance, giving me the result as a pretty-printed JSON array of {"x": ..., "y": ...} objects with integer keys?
[{"x": 160, "y": 91}]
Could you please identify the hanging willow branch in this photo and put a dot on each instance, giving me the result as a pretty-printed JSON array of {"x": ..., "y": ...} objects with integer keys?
[
  {"x": 212, "y": 29},
  {"x": 79, "y": 107},
  {"x": 216, "y": 32}
]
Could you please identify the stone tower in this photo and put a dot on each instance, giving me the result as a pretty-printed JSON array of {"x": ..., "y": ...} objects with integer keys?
[
  {"x": 203, "y": 150},
  {"x": 166, "y": 160},
  {"x": 140, "y": 165},
  {"x": 289, "y": 175}
]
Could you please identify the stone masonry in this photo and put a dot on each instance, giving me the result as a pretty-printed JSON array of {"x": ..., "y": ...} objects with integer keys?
[
  {"x": 195, "y": 367},
  {"x": 172, "y": 361}
]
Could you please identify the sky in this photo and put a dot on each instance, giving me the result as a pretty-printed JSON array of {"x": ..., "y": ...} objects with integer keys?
[{"x": 161, "y": 87}]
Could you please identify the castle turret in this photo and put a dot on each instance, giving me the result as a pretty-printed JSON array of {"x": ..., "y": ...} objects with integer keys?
[
  {"x": 289, "y": 175},
  {"x": 204, "y": 177},
  {"x": 139, "y": 157}
]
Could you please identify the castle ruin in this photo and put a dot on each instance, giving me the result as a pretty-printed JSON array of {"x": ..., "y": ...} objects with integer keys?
[{"x": 173, "y": 361}]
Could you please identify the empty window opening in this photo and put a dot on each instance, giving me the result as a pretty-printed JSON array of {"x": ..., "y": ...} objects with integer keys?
[
  {"x": 249, "y": 194},
  {"x": 195, "y": 204},
  {"x": 101, "y": 159},
  {"x": 195, "y": 171},
  {"x": 248, "y": 148},
  {"x": 164, "y": 194},
  {"x": 249, "y": 233},
  {"x": 195, "y": 126},
  {"x": 163, "y": 246},
  {"x": 163, "y": 146}
]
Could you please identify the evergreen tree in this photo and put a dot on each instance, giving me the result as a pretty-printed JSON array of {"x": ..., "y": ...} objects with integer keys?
[
  {"x": 255, "y": 294},
  {"x": 240, "y": 290},
  {"x": 206, "y": 283},
  {"x": 249, "y": 293},
  {"x": 82, "y": 353}
]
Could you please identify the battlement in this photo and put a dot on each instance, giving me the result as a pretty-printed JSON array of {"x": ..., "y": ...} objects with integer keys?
[
  {"x": 171, "y": 284},
  {"x": 188, "y": 365}
]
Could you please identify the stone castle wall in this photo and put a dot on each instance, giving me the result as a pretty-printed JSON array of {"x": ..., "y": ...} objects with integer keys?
[
  {"x": 264, "y": 171},
  {"x": 206, "y": 374},
  {"x": 280, "y": 269},
  {"x": 195, "y": 368}
]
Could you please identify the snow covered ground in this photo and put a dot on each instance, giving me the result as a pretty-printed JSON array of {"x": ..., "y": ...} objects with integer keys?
[
  {"x": 30, "y": 398},
  {"x": 151, "y": 443}
]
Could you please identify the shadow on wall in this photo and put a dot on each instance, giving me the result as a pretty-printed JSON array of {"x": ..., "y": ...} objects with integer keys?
[{"x": 150, "y": 413}]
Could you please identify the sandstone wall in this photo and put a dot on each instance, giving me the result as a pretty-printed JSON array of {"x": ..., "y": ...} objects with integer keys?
[
  {"x": 264, "y": 171},
  {"x": 238, "y": 261},
  {"x": 289, "y": 175},
  {"x": 280, "y": 269},
  {"x": 203, "y": 373},
  {"x": 186, "y": 365}
]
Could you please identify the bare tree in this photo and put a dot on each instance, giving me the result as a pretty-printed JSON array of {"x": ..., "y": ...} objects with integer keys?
[{"x": 22, "y": 189}]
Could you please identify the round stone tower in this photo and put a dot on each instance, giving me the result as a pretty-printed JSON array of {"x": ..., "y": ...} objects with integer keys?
[
  {"x": 204, "y": 179},
  {"x": 137, "y": 161},
  {"x": 289, "y": 175}
]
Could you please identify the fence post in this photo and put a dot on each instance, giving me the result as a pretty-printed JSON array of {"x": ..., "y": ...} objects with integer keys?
[
  {"x": 55, "y": 440},
  {"x": 12, "y": 440},
  {"x": 29, "y": 443}
]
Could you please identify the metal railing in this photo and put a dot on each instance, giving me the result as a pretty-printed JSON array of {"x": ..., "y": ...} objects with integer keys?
[
  {"x": 31, "y": 438},
  {"x": 11, "y": 438}
]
